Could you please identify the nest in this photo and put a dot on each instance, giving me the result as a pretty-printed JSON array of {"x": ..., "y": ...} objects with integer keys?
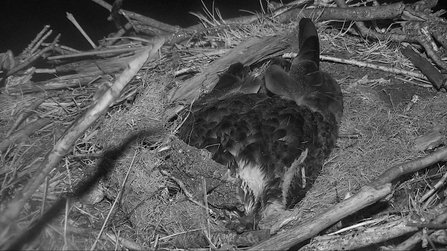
[{"x": 96, "y": 159}]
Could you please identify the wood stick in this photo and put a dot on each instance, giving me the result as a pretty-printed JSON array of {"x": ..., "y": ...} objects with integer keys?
[
  {"x": 373, "y": 66},
  {"x": 351, "y": 13},
  {"x": 78, "y": 26},
  {"x": 96, "y": 53}
]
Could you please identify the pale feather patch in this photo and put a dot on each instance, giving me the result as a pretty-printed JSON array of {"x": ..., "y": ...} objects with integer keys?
[
  {"x": 252, "y": 178},
  {"x": 291, "y": 172},
  {"x": 273, "y": 209},
  {"x": 272, "y": 213}
]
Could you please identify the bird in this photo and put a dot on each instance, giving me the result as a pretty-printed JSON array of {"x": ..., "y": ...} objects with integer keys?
[{"x": 273, "y": 131}]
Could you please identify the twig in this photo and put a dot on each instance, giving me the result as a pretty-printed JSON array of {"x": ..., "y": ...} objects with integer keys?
[
  {"x": 67, "y": 211},
  {"x": 44, "y": 197},
  {"x": 76, "y": 24},
  {"x": 32, "y": 47},
  {"x": 372, "y": 66},
  {"x": 155, "y": 245},
  {"x": 360, "y": 225},
  {"x": 63, "y": 49},
  {"x": 349, "y": 135},
  {"x": 439, "y": 184},
  {"x": 95, "y": 53},
  {"x": 38, "y": 44},
  {"x": 416, "y": 83}
]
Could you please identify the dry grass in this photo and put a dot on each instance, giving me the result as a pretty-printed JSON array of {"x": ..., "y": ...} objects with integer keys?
[{"x": 152, "y": 210}]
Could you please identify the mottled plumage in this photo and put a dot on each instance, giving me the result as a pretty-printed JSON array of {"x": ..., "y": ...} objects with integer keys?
[{"x": 274, "y": 132}]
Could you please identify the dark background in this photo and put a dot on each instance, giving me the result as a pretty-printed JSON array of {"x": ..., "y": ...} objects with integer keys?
[{"x": 21, "y": 20}]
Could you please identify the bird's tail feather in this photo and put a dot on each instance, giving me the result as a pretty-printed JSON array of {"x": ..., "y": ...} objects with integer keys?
[
  {"x": 318, "y": 90},
  {"x": 308, "y": 58}
]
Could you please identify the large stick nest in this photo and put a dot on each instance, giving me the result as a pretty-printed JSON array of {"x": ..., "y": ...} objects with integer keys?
[{"x": 101, "y": 135}]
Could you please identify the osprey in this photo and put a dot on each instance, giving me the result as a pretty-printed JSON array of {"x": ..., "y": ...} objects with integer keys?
[{"x": 273, "y": 133}]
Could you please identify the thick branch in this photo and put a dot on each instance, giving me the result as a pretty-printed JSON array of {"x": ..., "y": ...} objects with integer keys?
[
  {"x": 354, "y": 13},
  {"x": 410, "y": 167},
  {"x": 285, "y": 240}
]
